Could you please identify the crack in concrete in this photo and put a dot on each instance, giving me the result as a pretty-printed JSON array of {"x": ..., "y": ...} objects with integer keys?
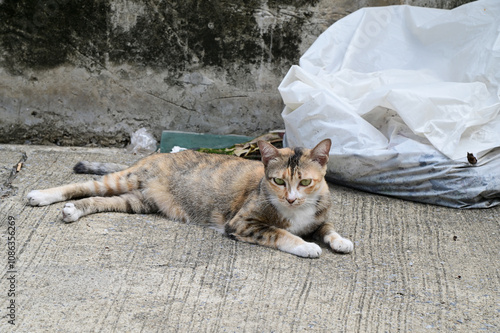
[
  {"x": 170, "y": 102},
  {"x": 225, "y": 97}
]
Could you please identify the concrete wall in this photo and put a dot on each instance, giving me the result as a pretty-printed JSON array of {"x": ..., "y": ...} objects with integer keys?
[{"x": 86, "y": 72}]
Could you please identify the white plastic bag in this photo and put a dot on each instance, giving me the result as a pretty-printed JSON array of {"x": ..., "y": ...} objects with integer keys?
[
  {"x": 141, "y": 141},
  {"x": 405, "y": 93}
]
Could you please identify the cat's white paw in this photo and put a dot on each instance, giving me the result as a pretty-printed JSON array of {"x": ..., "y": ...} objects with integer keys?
[
  {"x": 307, "y": 250},
  {"x": 342, "y": 245},
  {"x": 71, "y": 213},
  {"x": 42, "y": 198}
]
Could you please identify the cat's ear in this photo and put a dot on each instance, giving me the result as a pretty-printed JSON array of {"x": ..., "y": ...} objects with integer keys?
[
  {"x": 321, "y": 152},
  {"x": 267, "y": 151}
]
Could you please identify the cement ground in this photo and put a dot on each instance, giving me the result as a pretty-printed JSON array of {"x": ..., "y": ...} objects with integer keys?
[{"x": 415, "y": 267}]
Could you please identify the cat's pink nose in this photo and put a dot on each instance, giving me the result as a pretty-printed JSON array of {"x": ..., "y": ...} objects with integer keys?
[{"x": 291, "y": 201}]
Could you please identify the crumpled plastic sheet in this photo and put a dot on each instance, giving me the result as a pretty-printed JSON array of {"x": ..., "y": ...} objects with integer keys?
[
  {"x": 142, "y": 141},
  {"x": 405, "y": 93}
]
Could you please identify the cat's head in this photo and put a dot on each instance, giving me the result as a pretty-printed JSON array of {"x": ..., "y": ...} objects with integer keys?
[{"x": 295, "y": 175}]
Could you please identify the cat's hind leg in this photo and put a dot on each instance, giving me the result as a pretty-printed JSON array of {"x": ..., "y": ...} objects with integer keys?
[
  {"x": 327, "y": 234},
  {"x": 112, "y": 184},
  {"x": 63, "y": 193},
  {"x": 133, "y": 202}
]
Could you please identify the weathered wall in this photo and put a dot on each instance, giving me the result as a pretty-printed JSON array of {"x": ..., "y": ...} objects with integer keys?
[{"x": 92, "y": 71}]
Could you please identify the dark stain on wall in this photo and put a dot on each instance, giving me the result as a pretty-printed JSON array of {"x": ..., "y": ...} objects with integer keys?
[
  {"x": 184, "y": 32},
  {"x": 44, "y": 34},
  {"x": 176, "y": 35}
]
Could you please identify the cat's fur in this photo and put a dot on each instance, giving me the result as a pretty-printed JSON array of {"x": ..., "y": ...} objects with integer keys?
[{"x": 257, "y": 202}]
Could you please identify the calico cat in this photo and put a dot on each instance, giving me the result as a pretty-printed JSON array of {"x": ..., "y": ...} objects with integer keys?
[{"x": 270, "y": 202}]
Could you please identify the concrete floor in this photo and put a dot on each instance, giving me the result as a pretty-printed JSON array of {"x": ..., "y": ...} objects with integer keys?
[{"x": 415, "y": 267}]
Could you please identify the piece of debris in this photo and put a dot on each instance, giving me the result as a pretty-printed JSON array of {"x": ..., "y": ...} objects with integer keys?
[
  {"x": 177, "y": 149},
  {"x": 250, "y": 149},
  {"x": 142, "y": 141},
  {"x": 471, "y": 158},
  {"x": 6, "y": 189}
]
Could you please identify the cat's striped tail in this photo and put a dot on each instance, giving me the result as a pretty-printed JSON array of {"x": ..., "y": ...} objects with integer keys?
[{"x": 98, "y": 168}]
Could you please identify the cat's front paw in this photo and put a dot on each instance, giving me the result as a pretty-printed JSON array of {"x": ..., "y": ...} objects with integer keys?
[
  {"x": 342, "y": 245},
  {"x": 71, "y": 213},
  {"x": 41, "y": 198},
  {"x": 307, "y": 250}
]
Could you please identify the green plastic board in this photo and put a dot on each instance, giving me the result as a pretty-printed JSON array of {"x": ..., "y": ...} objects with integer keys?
[{"x": 189, "y": 140}]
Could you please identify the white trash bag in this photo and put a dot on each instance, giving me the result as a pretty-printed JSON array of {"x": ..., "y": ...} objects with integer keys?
[{"x": 405, "y": 93}]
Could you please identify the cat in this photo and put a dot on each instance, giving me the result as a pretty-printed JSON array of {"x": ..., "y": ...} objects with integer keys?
[{"x": 272, "y": 202}]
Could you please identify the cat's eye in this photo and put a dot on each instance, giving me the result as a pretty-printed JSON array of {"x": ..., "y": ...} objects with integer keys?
[
  {"x": 305, "y": 182},
  {"x": 279, "y": 181}
]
